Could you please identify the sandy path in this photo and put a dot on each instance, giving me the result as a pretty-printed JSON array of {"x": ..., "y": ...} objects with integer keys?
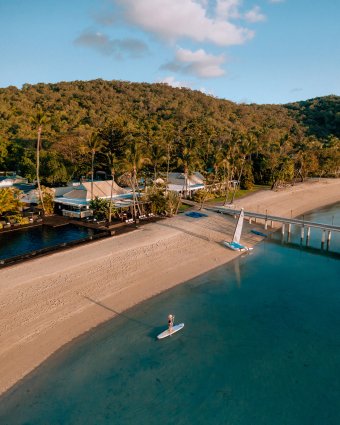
[{"x": 46, "y": 302}]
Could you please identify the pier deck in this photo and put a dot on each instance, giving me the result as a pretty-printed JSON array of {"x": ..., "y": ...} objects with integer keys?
[
  {"x": 283, "y": 221},
  {"x": 277, "y": 219}
]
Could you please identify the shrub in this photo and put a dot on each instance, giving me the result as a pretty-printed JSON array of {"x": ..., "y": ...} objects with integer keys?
[
  {"x": 100, "y": 208},
  {"x": 201, "y": 196},
  {"x": 155, "y": 197}
]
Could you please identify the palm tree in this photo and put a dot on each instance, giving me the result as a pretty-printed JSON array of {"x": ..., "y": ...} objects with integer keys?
[
  {"x": 131, "y": 164},
  {"x": 113, "y": 163},
  {"x": 244, "y": 147},
  {"x": 157, "y": 157},
  {"x": 94, "y": 145},
  {"x": 280, "y": 159},
  {"x": 188, "y": 158},
  {"x": 168, "y": 136},
  {"x": 37, "y": 121},
  {"x": 169, "y": 149}
]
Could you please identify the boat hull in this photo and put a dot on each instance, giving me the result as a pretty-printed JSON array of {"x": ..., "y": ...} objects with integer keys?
[{"x": 236, "y": 247}]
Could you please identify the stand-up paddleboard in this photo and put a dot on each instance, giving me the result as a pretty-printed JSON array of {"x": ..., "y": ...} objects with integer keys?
[{"x": 175, "y": 329}]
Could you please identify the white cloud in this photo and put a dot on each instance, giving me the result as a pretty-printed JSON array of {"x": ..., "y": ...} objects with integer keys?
[
  {"x": 206, "y": 91},
  {"x": 198, "y": 63},
  {"x": 174, "y": 19},
  {"x": 171, "y": 81},
  {"x": 204, "y": 3},
  {"x": 228, "y": 9},
  {"x": 254, "y": 15}
]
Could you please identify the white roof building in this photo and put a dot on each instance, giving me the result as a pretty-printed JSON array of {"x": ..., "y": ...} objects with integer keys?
[
  {"x": 82, "y": 193},
  {"x": 178, "y": 183},
  {"x": 74, "y": 200},
  {"x": 10, "y": 180}
]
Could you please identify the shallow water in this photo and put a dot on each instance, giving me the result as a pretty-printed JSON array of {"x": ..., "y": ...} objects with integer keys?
[{"x": 261, "y": 345}]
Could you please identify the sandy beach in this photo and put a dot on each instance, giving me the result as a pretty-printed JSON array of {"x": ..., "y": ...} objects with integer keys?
[{"x": 47, "y": 302}]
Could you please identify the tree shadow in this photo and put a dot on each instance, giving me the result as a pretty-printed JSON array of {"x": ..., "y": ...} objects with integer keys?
[{"x": 153, "y": 331}]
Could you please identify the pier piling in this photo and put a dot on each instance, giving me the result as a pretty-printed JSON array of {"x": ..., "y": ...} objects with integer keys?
[
  {"x": 287, "y": 223},
  {"x": 302, "y": 232},
  {"x": 283, "y": 229}
]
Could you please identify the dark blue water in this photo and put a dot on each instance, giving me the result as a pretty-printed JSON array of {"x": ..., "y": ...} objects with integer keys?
[
  {"x": 30, "y": 239},
  {"x": 261, "y": 346}
]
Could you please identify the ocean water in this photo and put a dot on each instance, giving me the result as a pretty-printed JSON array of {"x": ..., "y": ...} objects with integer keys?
[{"x": 260, "y": 346}]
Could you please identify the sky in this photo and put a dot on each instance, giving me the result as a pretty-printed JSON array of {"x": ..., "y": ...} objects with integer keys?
[{"x": 246, "y": 51}]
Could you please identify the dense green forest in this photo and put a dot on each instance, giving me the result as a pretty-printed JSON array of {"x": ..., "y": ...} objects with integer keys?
[
  {"x": 320, "y": 116},
  {"x": 127, "y": 129}
]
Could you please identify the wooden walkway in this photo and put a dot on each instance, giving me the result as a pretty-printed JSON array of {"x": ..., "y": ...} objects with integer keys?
[
  {"x": 56, "y": 220},
  {"x": 114, "y": 228}
]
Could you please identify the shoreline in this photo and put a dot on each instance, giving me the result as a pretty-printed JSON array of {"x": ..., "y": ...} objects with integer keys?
[{"x": 48, "y": 302}]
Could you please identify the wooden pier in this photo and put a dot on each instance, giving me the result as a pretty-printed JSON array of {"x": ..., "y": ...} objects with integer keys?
[{"x": 285, "y": 223}]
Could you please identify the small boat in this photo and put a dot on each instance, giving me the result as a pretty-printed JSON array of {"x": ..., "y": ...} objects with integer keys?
[{"x": 235, "y": 243}]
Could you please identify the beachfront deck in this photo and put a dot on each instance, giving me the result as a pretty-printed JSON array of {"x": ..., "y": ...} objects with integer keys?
[{"x": 116, "y": 226}]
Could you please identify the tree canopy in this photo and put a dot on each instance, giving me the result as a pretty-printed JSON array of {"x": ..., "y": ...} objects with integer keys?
[{"x": 171, "y": 129}]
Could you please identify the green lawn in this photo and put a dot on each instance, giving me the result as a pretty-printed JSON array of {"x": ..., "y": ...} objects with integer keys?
[
  {"x": 239, "y": 194},
  {"x": 183, "y": 208}
]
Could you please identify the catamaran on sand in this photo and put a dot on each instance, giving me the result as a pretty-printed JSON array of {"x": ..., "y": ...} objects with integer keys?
[{"x": 235, "y": 243}]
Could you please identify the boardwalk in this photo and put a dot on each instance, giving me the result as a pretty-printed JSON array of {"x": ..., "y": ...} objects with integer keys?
[{"x": 303, "y": 224}]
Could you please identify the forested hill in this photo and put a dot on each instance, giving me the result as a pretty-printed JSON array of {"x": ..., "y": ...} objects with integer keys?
[
  {"x": 263, "y": 143},
  {"x": 320, "y": 116},
  {"x": 77, "y": 104},
  {"x": 73, "y": 105}
]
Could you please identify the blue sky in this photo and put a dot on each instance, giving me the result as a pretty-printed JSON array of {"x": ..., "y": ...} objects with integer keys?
[{"x": 261, "y": 51}]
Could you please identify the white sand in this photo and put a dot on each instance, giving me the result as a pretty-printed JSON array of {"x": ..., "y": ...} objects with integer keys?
[
  {"x": 47, "y": 302},
  {"x": 293, "y": 200}
]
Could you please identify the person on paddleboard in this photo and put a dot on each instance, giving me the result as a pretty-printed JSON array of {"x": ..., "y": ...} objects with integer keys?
[{"x": 171, "y": 319}]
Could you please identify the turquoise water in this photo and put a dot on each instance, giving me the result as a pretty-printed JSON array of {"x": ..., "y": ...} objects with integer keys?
[{"x": 260, "y": 346}]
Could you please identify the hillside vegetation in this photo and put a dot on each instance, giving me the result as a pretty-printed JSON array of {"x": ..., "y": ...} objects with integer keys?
[
  {"x": 127, "y": 129},
  {"x": 320, "y": 116}
]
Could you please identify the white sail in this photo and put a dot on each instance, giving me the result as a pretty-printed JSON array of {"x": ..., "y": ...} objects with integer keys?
[
  {"x": 238, "y": 229},
  {"x": 235, "y": 243}
]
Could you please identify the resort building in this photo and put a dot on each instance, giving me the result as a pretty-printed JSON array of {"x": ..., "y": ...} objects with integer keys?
[
  {"x": 8, "y": 179},
  {"x": 178, "y": 183},
  {"x": 73, "y": 201}
]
